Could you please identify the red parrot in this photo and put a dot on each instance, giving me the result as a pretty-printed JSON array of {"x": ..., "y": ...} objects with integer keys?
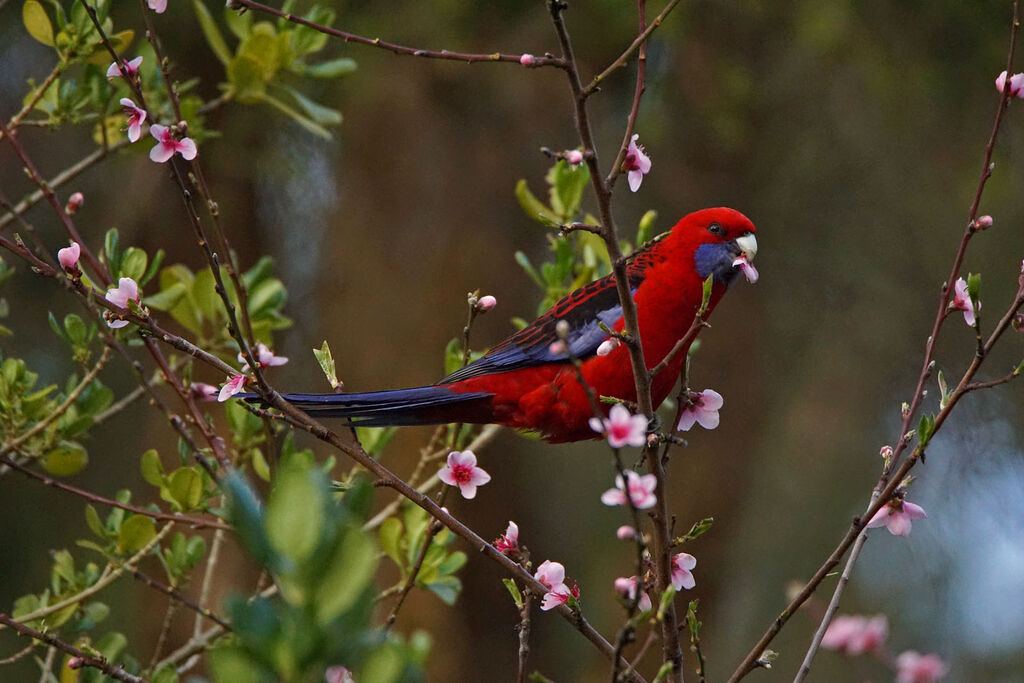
[{"x": 525, "y": 383}]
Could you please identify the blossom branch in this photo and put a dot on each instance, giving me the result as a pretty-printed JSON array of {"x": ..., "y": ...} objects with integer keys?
[
  {"x": 84, "y": 659},
  {"x": 469, "y": 58},
  {"x": 889, "y": 481},
  {"x": 641, "y": 68}
]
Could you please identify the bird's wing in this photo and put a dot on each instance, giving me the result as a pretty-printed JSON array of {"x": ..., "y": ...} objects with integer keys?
[{"x": 584, "y": 309}]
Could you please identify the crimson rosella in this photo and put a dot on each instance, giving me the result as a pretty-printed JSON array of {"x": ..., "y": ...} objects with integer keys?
[{"x": 527, "y": 381}]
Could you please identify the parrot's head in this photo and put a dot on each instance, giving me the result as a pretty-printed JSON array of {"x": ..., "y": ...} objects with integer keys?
[{"x": 722, "y": 241}]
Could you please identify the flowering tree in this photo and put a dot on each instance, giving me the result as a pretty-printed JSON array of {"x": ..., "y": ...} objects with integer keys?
[{"x": 313, "y": 514}]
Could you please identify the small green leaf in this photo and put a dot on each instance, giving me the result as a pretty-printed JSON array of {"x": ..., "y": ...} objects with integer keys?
[
  {"x": 332, "y": 69},
  {"x": 133, "y": 263},
  {"x": 326, "y": 361},
  {"x": 325, "y": 116},
  {"x": 513, "y": 590},
  {"x": 136, "y": 532},
  {"x": 567, "y": 184},
  {"x": 152, "y": 468},
  {"x": 186, "y": 487},
  {"x": 974, "y": 286},
  {"x": 240, "y": 23},
  {"x": 66, "y": 459},
  {"x": 37, "y": 22},
  {"x": 259, "y": 465},
  {"x": 92, "y": 520},
  {"x": 706, "y": 294},
  {"x": 390, "y": 536},
  {"x": 533, "y": 207},
  {"x": 212, "y": 33},
  {"x": 643, "y": 232}
]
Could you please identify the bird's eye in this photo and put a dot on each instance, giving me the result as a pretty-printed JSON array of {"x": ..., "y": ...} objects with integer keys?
[{"x": 716, "y": 229}]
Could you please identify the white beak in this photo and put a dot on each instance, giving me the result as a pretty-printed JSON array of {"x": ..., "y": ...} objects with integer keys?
[{"x": 748, "y": 245}]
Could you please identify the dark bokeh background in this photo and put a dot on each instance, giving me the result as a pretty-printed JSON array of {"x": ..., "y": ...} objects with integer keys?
[{"x": 850, "y": 132}]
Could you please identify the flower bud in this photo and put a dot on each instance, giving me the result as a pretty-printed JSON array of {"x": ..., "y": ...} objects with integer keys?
[
  {"x": 68, "y": 257},
  {"x": 574, "y": 157},
  {"x": 485, "y": 303},
  {"x": 983, "y": 222},
  {"x": 527, "y": 60},
  {"x": 75, "y": 202},
  {"x": 76, "y": 663}
]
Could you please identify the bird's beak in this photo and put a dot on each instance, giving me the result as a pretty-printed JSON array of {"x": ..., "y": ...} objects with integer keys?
[{"x": 747, "y": 245}]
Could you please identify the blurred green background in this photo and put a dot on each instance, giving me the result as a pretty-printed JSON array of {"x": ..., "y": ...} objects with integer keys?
[{"x": 852, "y": 135}]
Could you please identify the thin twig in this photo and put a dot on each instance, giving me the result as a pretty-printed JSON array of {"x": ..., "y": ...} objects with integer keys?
[
  {"x": 93, "y": 661},
  {"x": 175, "y": 594},
  {"x": 467, "y": 57},
  {"x": 524, "y": 635}
]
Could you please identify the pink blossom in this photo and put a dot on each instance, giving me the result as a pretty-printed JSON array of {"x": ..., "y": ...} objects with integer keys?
[
  {"x": 131, "y": 68},
  {"x": 896, "y": 516},
  {"x": 136, "y": 117},
  {"x": 508, "y": 543},
  {"x": 232, "y": 387},
  {"x": 486, "y": 303},
  {"x": 168, "y": 145},
  {"x": 749, "y": 271},
  {"x": 158, "y": 6},
  {"x": 637, "y": 164},
  {"x": 625, "y": 533},
  {"x": 462, "y": 471},
  {"x": 607, "y": 346},
  {"x": 855, "y": 634},
  {"x": 703, "y": 409},
  {"x": 640, "y": 487},
  {"x": 984, "y": 222},
  {"x": 962, "y": 301},
  {"x": 527, "y": 60},
  {"x": 551, "y": 575},
  {"x": 203, "y": 391},
  {"x": 885, "y": 452},
  {"x": 912, "y": 667},
  {"x": 76, "y": 663},
  {"x": 68, "y": 257},
  {"x": 265, "y": 358},
  {"x": 621, "y": 428},
  {"x": 126, "y": 290},
  {"x": 627, "y": 587},
  {"x": 338, "y": 674},
  {"x": 574, "y": 157},
  {"x": 682, "y": 576},
  {"x": 75, "y": 202},
  {"x": 1016, "y": 84}
]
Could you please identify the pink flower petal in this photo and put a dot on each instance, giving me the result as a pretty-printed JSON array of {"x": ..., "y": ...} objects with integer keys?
[{"x": 187, "y": 148}]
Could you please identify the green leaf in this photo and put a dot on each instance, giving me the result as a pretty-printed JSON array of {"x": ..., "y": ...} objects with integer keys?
[
  {"x": 524, "y": 263},
  {"x": 165, "y": 674},
  {"x": 246, "y": 515},
  {"x": 925, "y": 429},
  {"x": 152, "y": 468},
  {"x": 447, "y": 588},
  {"x": 92, "y": 520},
  {"x": 390, "y": 536},
  {"x": 37, "y": 22},
  {"x": 706, "y": 293},
  {"x": 246, "y": 75},
  {"x": 136, "y": 532},
  {"x": 240, "y": 23},
  {"x": 326, "y": 361},
  {"x": 295, "y": 513},
  {"x": 643, "y": 232},
  {"x": 513, "y": 590},
  {"x": 76, "y": 330},
  {"x": 212, "y": 33},
  {"x": 567, "y": 184},
  {"x": 133, "y": 263},
  {"x": 186, "y": 487},
  {"x": 325, "y": 116},
  {"x": 974, "y": 287},
  {"x": 259, "y": 465},
  {"x": 66, "y": 459},
  {"x": 452, "y": 563},
  {"x": 533, "y": 207},
  {"x": 332, "y": 69},
  {"x": 348, "y": 575},
  {"x": 299, "y": 118}
]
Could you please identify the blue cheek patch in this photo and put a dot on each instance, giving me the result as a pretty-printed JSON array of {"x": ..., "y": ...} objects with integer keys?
[{"x": 714, "y": 258}]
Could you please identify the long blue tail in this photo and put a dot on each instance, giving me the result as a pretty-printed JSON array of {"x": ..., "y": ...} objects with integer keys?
[{"x": 397, "y": 407}]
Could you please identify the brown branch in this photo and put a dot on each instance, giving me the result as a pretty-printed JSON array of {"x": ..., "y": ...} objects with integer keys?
[
  {"x": 175, "y": 594},
  {"x": 638, "y": 92},
  {"x": 467, "y": 57},
  {"x": 69, "y": 225},
  {"x": 524, "y": 636},
  {"x": 433, "y": 527},
  {"x": 93, "y": 661},
  {"x": 194, "y": 522}
]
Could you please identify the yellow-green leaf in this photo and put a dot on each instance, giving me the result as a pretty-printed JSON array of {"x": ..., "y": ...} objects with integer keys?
[
  {"x": 136, "y": 532},
  {"x": 37, "y": 22},
  {"x": 66, "y": 459}
]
